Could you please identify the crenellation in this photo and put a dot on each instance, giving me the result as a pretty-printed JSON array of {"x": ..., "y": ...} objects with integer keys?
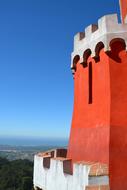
[
  {"x": 75, "y": 175},
  {"x": 107, "y": 29},
  {"x": 46, "y": 162},
  {"x": 90, "y": 29},
  {"x": 108, "y": 23},
  {"x": 68, "y": 166},
  {"x": 79, "y": 36},
  {"x": 82, "y": 35}
]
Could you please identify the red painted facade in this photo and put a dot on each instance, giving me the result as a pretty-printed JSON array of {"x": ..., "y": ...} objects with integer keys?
[
  {"x": 118, "y": 123},
  {"x": 99, "y": 122},
  {"x": 123, "y": 4},
  {"x": 99, "y": 127},
  {"x": 89, "y": 139}
]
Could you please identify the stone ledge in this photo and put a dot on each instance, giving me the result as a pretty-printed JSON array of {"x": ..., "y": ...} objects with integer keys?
[
  {"x": 60, "y": 152},
  {"x": 100, "y": 187}
]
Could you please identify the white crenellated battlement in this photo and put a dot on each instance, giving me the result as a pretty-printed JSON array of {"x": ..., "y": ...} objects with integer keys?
[
  {"x": 107, "y": 29},
  {"x": 55, "y": 173}
]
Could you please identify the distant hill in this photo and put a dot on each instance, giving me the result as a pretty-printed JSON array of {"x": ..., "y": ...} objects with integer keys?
[
  {"x": 16, "y": 175},
  {"x": 22, "y": 152}
]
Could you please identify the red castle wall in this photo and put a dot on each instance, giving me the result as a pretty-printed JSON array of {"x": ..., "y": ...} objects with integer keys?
[
  {"x": 99, "y": 122},
  {"x": 89, "y": 139},
  {"x": 99, "y": 129},
  {"x": 118, "y": 122},
  {"x": 123, "y": 4}
]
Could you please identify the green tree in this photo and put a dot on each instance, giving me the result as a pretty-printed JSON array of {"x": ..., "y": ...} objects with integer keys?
[
  {"x": 27, "y": 183},
  {"x": 16, "y": 175}
]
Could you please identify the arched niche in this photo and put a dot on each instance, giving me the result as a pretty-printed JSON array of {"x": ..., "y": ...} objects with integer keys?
[
  {"x": 98, "y": 48},
  {"x": 75, "y": 61},
  {"x": 116, "y": 45},
  {"x": 86, "y": 55}
]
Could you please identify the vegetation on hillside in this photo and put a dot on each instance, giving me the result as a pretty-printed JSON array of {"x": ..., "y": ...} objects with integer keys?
[{"x": 16, "y": 175}]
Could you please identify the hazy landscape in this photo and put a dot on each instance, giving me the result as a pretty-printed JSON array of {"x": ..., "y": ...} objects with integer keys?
[
  {"x": 21, "y": 152},
  {"x": 16, "y": 157},
  {"x": 18, "y": 160},
  {"x": 23, "y": 148}
]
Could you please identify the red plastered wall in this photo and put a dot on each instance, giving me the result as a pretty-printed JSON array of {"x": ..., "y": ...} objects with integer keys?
[
  {"x": 118, "y": 129},
  {"x": 89, "y": 138},
  {"x": 99, "y": 129},
  {"x": 123, "y": 5}
]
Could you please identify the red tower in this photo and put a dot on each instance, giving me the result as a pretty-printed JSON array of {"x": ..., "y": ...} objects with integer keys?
[
  {"x": 99, "y": 123},
  {"x": 123, "y": 5},
  {"x": 96, "y": 158}
]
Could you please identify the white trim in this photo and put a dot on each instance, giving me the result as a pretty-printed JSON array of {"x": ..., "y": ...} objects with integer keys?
[{"x": 108, "y": 29}]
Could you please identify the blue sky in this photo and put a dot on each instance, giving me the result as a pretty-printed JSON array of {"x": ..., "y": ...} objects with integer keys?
[{"x": 36, "y": 40}]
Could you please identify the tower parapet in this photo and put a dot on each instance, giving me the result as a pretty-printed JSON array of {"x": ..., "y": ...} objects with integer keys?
[{"x": 98, "y": 36}]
